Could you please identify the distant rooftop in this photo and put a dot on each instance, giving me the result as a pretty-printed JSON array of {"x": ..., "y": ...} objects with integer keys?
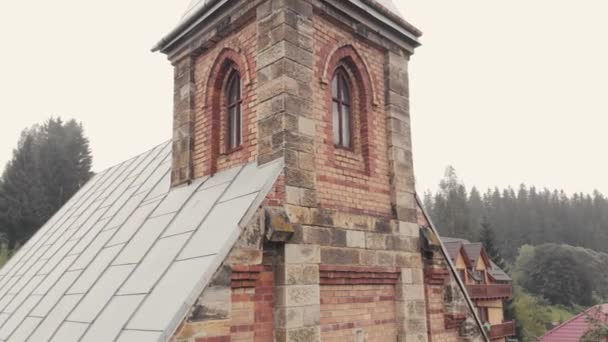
[
  {"x": 473, "y": 252},
  {"x": 574, "y": 329}
]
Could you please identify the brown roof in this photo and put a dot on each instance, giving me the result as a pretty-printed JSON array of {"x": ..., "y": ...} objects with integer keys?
[
  {"x": 453, "y": 248},
  {"x": 473, "y": 251}
]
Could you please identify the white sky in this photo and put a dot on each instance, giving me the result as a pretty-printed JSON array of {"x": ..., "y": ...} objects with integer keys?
[{"x": 506, "y": 91}]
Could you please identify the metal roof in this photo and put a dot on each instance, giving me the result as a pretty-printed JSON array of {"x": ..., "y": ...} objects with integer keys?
[
  {"x": 199, "y": 10},
  {"x": 127, "y": 256},
  {"x": 390, "y": 5},
  {"x": 497, "y": 273},
  {"x": 195, "y": 5},
  {"x": 575, "y": 328}
]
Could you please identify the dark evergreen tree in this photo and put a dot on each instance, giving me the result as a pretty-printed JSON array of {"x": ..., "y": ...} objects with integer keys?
[
  {"x": 51, "y": 162},
  {"x": 488, "y": 239},
  {"x": 450, "y": 209}
]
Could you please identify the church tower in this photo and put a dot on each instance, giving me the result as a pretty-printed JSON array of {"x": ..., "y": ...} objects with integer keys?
[
  {"x": 321, "y": 86},
  {"x": 283, "y": 209}
]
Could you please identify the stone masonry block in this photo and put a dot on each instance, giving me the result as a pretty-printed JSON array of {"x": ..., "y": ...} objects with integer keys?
[
  {"x": 408, "y": 292},
  {"x": 285, "y": 49},
  {"x": 339, "y": 256},
  {"x": 316, "y": 235},
  {"x": 298, "y": 274},
  {"x": 375, "y": 241},
  {"x": 300, "y": 196},
  {"x": 355, "y": 239},
  {"x": 302, "y": 254},
  {"x": 297, "y": 317},
  {"x": 299, "y": 178},
  {"x": 408, "y": 259},
  {"x": 306, "y": 126},
  {"x": 407, "y": 276},
  {"x": 306, "y": 334},
  {"x": 214, "y": 304},
  {"x": 297, "y": 295},
  {"x": 407, "y": 228},
  {"x": 413, "y": 337},
  {"x": 302, "y": 7}
]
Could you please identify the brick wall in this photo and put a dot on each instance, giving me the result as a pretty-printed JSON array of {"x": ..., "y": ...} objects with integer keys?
[
  {"x": 209, "y": 151},
  {"x": 252, "y": 304},
  {"x": 358, "y": 313},
  {"x": 250, "y": 316},
  {"x": 354, "y": 180}
]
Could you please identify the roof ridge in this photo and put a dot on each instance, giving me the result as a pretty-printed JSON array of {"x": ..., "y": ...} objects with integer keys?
[{"x": 134, "y": 157}]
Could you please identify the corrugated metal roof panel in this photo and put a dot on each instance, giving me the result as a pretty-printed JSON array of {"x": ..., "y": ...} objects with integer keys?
[
  {"x": 573, "y": 329},
  {"x": 127, "y": 256}
]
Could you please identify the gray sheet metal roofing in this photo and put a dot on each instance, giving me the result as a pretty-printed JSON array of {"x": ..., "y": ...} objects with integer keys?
[{"x": 127, "y": 256}]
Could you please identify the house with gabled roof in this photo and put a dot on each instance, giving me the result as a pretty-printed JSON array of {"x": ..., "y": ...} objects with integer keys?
[
  {"x": 574, "y": 329},
  {"x": 487, "y": 284},
  {"x": 283, "y": 209}
]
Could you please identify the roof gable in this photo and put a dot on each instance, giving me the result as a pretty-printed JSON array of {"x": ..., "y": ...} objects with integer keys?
[
  {"x": 455, "y": 249},
  {"x": 127, "y": 256}
]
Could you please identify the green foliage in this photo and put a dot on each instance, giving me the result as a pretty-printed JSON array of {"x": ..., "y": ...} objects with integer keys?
[
  {"x": 566, "y": 275},
  {"x": 534, "y": 316},
  {"x": 556, "y": 274},
  {"x": 51, "y": 162},
  {"x": 526, "y": 254}
]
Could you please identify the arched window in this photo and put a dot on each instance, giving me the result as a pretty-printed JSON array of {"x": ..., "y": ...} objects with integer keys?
[
  {"x": 233, "y": 105},
  {"x": 341, "y": 109}
]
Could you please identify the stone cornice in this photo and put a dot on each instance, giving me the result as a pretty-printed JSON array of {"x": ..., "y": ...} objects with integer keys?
[{"x": 366, "y": 11}]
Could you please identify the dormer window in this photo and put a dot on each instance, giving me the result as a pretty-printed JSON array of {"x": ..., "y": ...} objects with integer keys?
[
  {"x": 234, "y": 137},
  {"x": 342, "y": 110}
]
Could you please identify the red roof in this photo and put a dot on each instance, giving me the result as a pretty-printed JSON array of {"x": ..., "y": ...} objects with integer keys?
[{"x": 573, "y": 329}]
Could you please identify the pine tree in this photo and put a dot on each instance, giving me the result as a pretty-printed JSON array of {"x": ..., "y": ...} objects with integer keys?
[
  {"x": 51, "y": 162},
  {"x": 488, "y": 239},
  {"x": 450, "y": 207}
]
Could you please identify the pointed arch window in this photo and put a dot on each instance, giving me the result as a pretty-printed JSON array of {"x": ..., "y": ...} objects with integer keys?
[
  {"x": 233, "y": 103},
  {"x": 342, "y": 109}
]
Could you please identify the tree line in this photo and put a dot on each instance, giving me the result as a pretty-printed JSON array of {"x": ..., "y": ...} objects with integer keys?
[
  {"x": 526, "y": 215},
  {"x": 51, "y": 162}
]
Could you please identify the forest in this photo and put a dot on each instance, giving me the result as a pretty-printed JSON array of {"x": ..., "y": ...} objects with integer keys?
[
  {"x": 526, "y": 215},
  {"x": 552, "y": 244}
]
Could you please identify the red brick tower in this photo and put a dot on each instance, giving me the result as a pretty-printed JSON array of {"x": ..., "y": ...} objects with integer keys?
[{"x": 334, "y": 252}]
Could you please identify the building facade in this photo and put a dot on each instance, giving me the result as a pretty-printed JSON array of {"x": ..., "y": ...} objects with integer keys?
[
  {"x": 324, "y": 86},
  {"x": 283, "y": 209},
  {"x": 488, "y": 286}
]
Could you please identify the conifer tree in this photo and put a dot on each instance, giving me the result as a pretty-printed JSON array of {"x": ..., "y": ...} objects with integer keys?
[
  {"x": 50, "y": 163},
  {"x": 488, "y": 239}
]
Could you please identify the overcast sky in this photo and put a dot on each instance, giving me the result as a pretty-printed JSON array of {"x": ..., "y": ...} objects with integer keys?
[{"x": 505, "y": 91}]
